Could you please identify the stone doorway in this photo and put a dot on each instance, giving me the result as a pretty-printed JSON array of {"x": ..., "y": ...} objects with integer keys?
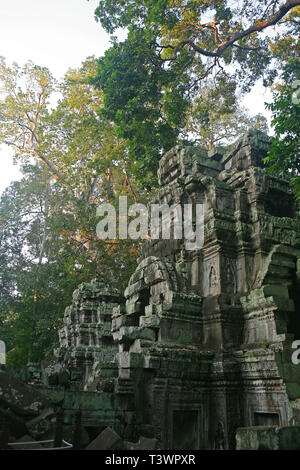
[{"x": 186, "y": 430}]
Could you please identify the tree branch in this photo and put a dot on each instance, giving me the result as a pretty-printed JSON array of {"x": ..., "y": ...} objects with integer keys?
[
  {"x": 246, "y": 48},
  {"x": 54, "y": 171},
  {"x": 92, "y": 189},
  {"x": 257, "y": 27}
]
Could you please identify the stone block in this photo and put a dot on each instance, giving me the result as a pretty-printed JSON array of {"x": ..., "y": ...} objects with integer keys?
[
  {"x": 151, "y": 362},
  {"x": 106, "y": 440},
  {"x": 268, "y": 438},
  {"x": 129, "y": 360},
  {"x": 21, "y": 398},
  {"x": 124, "y": 374},
  {"x": 40, "y": 425}
]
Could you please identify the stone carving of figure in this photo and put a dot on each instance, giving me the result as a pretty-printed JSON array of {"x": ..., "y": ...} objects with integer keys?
[
  {"x": 219, "y": 437},
  {"x": 212, "y": 278},
  {"x": 229, "y": 278},
  {"x": 181, "y": 265}
]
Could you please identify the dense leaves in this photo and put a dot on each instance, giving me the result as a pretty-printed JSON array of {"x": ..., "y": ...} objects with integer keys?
[
  {"x": 284, "y": 157},
  {"x": 100, "y": 133},
  {"x": 174, "y": 49},
  {"x": 144, "y": 100},
  {"x": 216, "y": 118},
  {"x": 74, "y": 161}
]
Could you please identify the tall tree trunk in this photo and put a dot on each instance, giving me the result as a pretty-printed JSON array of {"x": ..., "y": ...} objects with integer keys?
[{"x": 36, "y": 281}]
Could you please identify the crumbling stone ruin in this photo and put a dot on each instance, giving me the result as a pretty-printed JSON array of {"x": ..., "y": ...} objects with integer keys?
[
  {"x": 86, "y": 341},
  {"x": 199, "y": 346}
]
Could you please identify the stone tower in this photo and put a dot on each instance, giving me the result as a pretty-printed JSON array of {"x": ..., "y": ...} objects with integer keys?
[
  {"x": 203, "y": 339},
  {"x": 85, "y": 340}
]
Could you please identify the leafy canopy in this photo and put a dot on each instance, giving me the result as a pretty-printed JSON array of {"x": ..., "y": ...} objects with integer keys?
[
  {"x": 151, "y": 79},
  {"x": 284, "y": 156},
  {"x": 73, "y": 160}
]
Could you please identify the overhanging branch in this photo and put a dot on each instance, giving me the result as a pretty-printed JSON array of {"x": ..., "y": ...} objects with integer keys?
[{"x": 257, "y": 27}]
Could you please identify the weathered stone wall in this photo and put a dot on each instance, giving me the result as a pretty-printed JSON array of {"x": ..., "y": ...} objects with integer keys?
[
  {"x": 86, "y": 344},
  {"x": 201, "y": 346}
]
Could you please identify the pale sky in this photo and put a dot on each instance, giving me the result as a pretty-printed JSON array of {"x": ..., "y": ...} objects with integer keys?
[{"x": 59, "y": 34}]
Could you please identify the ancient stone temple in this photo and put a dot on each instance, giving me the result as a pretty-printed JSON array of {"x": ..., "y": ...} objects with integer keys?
[
  {"x": 201, "y": 342},
  {"x": 85, "y": 340}
]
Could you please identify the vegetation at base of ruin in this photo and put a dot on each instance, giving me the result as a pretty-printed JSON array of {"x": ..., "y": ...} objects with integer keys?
[{"x": 173, "y": 50}]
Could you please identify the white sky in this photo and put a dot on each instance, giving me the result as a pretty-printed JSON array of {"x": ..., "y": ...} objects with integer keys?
[{"x": 59, "y": 34}]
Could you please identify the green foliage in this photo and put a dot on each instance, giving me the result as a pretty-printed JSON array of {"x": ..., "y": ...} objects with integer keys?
[
  {"x": 284, "y": 157},
  {"x": 35, "y": 293},
  {"x": 144, "y": 100},
  {"x": 153, "y": 79},
  {"x": 27, "y": 92},
  {"x": 74, "y": 161},
  {"x": 216, "y": 118},
  {"x": 178, "y": 73}
]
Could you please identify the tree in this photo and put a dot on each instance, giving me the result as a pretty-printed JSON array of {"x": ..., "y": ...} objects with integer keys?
[
  {"x": 27, "y": 92},
  {"x": 77, "y": 146},
  {"x": 42, "y": 262},
  {"x": 217, "y": 118},
  {"x": 209, "y": 29},
  {"x": 151, "y": 79},
  {"x": 31, "y": 295},
  {"x": 74, "y": 160},
  {"x": 284, "y": 158},
  {"x": 137, "y": 99}
]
